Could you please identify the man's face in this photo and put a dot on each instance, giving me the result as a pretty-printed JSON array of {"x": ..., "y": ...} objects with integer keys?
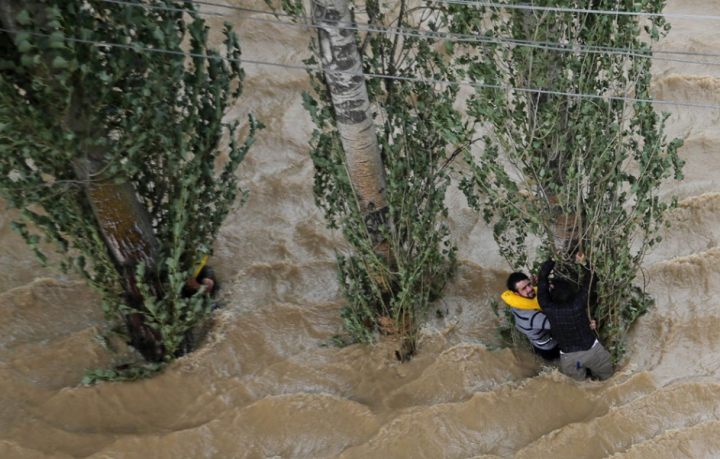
[{"x": 525, "y": 289}]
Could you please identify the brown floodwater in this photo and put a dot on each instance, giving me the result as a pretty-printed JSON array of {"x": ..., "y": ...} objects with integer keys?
[{"x": 268, "y": 382}]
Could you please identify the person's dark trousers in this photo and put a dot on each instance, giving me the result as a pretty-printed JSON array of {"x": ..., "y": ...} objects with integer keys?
[{"x": 547, "y": 354}]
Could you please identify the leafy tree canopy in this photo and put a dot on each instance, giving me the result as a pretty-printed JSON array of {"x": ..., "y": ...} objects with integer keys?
[
  {"x": 111, "y": 85},
  {"x": 568, "y": 157}
]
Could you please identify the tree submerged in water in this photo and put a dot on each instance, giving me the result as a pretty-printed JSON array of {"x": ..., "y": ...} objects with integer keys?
[
  {"x": 569, "y": 157},
  {"x": 382, "y": 149},
  {"x": 109, "y": 146}
]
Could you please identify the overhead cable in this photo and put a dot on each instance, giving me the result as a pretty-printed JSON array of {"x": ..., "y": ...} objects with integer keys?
[
  {"x": 448, "y": 36},
  {"x": 522, "y": 6},
  {"x": 576, "y": 10},
  {"x": 136, "y": 47}
]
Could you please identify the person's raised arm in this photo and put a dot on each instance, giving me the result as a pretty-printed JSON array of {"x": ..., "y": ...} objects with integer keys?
[{"x": 544, "y": 283}]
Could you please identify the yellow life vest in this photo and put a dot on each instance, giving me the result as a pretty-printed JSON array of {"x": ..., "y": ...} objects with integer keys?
[
  {"x": 520, "y": 302},
  {"x": 201, "y": 266}
]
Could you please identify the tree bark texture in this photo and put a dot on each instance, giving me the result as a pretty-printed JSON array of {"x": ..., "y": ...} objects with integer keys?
[
  {"x": 124, "y": 222},
  {"x": 343, "y": 74}
]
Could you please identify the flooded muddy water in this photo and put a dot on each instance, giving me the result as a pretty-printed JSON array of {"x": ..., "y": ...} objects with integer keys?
[{"x": 268, "y": 381}]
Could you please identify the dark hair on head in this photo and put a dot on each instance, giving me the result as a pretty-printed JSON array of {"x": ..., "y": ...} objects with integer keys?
[
  {"x": 514, "y": 279},
  {"x": 562, "y": 291}
]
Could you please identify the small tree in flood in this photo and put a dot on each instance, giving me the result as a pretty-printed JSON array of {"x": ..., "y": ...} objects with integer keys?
[
  {"x": 566, "y": 157},
  {"x": 109, "y": 141},
  {"x": 400, "y": 255}
]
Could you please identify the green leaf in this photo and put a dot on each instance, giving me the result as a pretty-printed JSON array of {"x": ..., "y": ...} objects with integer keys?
[
  {"x": 25, "y": 46},
  {"x": 59, "y": 62},
  {"x": 24, "y": 18}
]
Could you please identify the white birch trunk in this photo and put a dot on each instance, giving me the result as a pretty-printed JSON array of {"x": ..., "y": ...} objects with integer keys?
[{"x": 338, "y": 52}]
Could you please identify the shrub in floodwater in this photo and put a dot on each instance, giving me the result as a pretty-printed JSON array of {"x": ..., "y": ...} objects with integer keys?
[
  {"x": 121, "y": 373},
  {"x": 109, "y": 140}
]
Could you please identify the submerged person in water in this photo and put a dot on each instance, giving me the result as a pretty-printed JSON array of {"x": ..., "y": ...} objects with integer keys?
[
  {"x": 521, "y": 296},
  {"x": 581, "y": 354},
  {"x": 203, "y": 278}
]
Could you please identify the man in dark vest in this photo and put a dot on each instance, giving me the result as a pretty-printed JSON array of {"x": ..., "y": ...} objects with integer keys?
[{"x": 580, "y": 351}]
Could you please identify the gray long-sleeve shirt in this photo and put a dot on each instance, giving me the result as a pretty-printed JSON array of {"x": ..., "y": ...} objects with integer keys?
[{"x": 533, "y": 324}]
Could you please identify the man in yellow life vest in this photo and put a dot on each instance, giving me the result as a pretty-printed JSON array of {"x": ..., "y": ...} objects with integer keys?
[{"x": 521, "y": 296}]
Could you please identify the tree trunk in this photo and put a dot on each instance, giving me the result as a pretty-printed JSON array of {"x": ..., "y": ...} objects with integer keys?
[
  {"x": 129, "y": 237},
  {"x": 341, "y": 60},
  {"x": 123, "y": 220}
]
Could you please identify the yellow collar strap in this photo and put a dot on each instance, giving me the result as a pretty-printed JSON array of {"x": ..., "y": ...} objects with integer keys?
[{"x": 516, "y": 301}]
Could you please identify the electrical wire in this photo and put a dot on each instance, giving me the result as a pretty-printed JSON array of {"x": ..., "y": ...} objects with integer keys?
[
  {"x": 521, "y": 7},
  {"x": 499, "y": 6},
  {"x": 136, "y": 47},
  {"x": 576, "y": 10},
  {"x": 436, "y": 35}
]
